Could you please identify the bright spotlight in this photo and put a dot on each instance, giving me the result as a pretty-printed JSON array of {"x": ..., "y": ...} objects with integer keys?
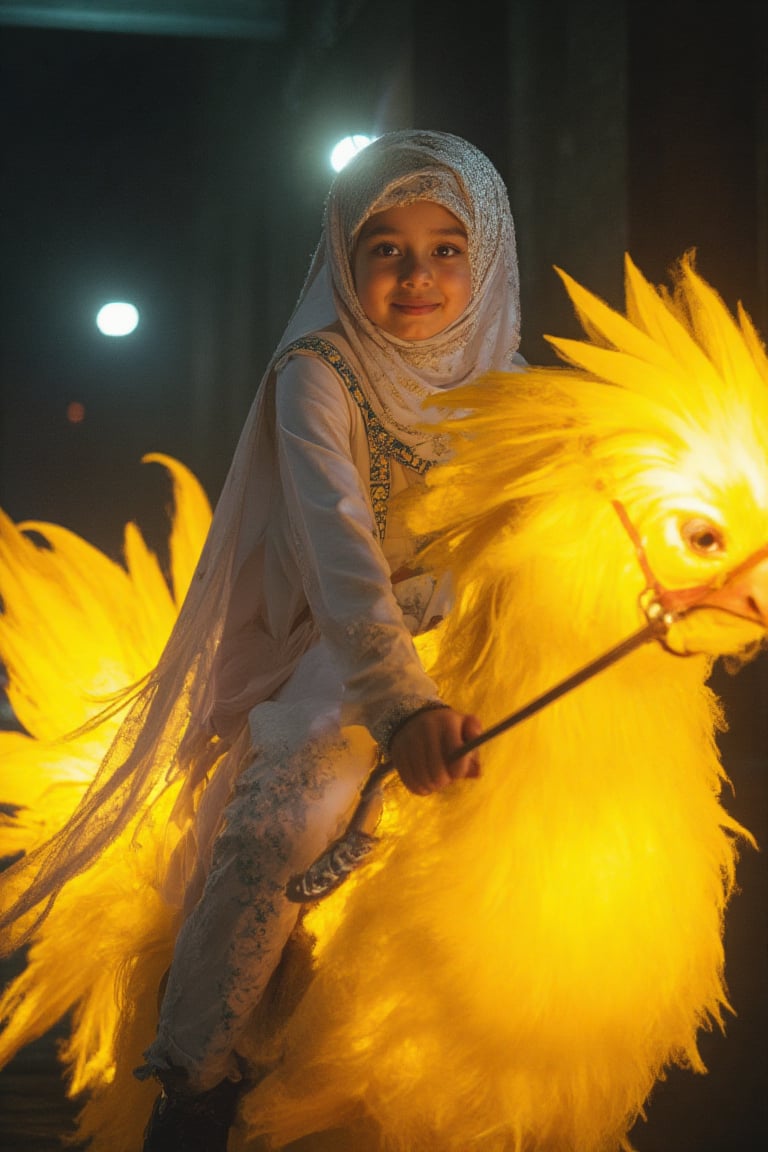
[
  {"x": 347, "y": 148},
  {"x": 117, "y": 319}
]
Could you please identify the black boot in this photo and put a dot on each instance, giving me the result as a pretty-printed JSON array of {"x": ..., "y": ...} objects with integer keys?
[{"x": 185, "y": 1123}]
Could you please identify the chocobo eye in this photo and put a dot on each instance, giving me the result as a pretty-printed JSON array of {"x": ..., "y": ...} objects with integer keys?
[{"x": 702, "y": 537}]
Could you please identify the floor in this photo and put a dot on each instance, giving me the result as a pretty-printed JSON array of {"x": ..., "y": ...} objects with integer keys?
[{"x": 34, "y": 1111}]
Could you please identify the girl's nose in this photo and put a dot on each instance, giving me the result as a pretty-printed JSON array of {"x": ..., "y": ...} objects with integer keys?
[{"x": 415, "y": 271}]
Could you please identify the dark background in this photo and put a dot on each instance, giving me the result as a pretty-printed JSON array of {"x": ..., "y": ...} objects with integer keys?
[{"x": 174, "y": 154}]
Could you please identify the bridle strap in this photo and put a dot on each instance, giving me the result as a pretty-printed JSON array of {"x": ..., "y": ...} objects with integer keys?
[{"x": 679, "y": 600}]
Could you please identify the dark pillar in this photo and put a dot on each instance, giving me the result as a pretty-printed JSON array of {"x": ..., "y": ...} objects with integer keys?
[
  {"x": 698, "y": 138},
  {"x": 567, "y": 134}
]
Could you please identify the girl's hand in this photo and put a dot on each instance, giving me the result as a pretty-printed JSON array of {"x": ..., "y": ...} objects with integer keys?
[{"x": 421, "y": 748}]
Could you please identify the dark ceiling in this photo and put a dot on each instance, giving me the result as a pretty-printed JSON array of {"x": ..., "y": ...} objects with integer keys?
[{"x": 255, "y": 19}]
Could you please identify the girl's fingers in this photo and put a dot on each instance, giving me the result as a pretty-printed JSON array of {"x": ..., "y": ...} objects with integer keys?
[{"x": 422, "y": 750}]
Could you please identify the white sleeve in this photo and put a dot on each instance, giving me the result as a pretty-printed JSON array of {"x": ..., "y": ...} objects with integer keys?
[{"x": 345, "y": 573}]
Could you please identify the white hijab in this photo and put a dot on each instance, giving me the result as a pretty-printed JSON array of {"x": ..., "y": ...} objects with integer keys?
[
  {"x": 400, "y": 376},
  {"x": 165, "y": 732}
]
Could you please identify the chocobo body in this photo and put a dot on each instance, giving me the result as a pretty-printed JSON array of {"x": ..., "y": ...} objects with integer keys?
[{"x": 536, "y": 946}]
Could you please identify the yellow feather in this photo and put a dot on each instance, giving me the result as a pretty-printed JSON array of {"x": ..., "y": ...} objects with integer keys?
[{"x": 77, "y": 628}]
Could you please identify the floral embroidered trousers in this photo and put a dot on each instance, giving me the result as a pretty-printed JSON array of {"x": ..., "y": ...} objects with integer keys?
[{"x": 291, "y": 799}]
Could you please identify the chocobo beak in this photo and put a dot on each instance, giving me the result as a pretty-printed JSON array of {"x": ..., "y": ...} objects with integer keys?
[{"x": 745, "y": 591}]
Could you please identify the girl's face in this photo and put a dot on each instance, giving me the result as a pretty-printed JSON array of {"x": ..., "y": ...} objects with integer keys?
[{"x": 411, "y": 270}]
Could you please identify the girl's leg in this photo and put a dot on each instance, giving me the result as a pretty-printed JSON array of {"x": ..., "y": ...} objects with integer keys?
[{"x": 287, "y": 805}]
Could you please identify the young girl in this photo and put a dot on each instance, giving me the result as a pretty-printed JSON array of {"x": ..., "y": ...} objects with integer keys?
[{"x": 292, "y": 659}]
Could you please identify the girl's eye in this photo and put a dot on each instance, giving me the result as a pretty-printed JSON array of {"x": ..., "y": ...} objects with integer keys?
[
  {"x": 702, "y": 537},
  {"x": 447, "y": 250},
  {"x": 385, "y": 249}
]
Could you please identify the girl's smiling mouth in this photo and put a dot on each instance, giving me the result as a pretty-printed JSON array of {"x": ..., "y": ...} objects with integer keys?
[{"x": 415, "y": 308}]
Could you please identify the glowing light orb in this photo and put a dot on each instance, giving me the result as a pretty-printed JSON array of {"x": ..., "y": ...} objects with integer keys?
[
  {"x": 117, "y": 318},
  {"x": 343, "y": 152}
]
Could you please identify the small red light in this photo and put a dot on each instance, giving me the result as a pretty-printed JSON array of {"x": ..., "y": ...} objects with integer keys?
[{"x": 75, "y": 412}]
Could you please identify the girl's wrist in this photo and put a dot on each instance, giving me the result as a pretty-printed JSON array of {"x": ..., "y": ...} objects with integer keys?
[{"x": 398, "y": 719}]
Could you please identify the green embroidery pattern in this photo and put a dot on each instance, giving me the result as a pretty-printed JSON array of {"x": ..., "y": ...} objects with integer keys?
[{"x": 382, "y": 445}]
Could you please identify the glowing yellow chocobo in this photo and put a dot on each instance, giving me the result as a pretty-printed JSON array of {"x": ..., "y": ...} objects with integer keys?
[{"x": 529, "y": 951}]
